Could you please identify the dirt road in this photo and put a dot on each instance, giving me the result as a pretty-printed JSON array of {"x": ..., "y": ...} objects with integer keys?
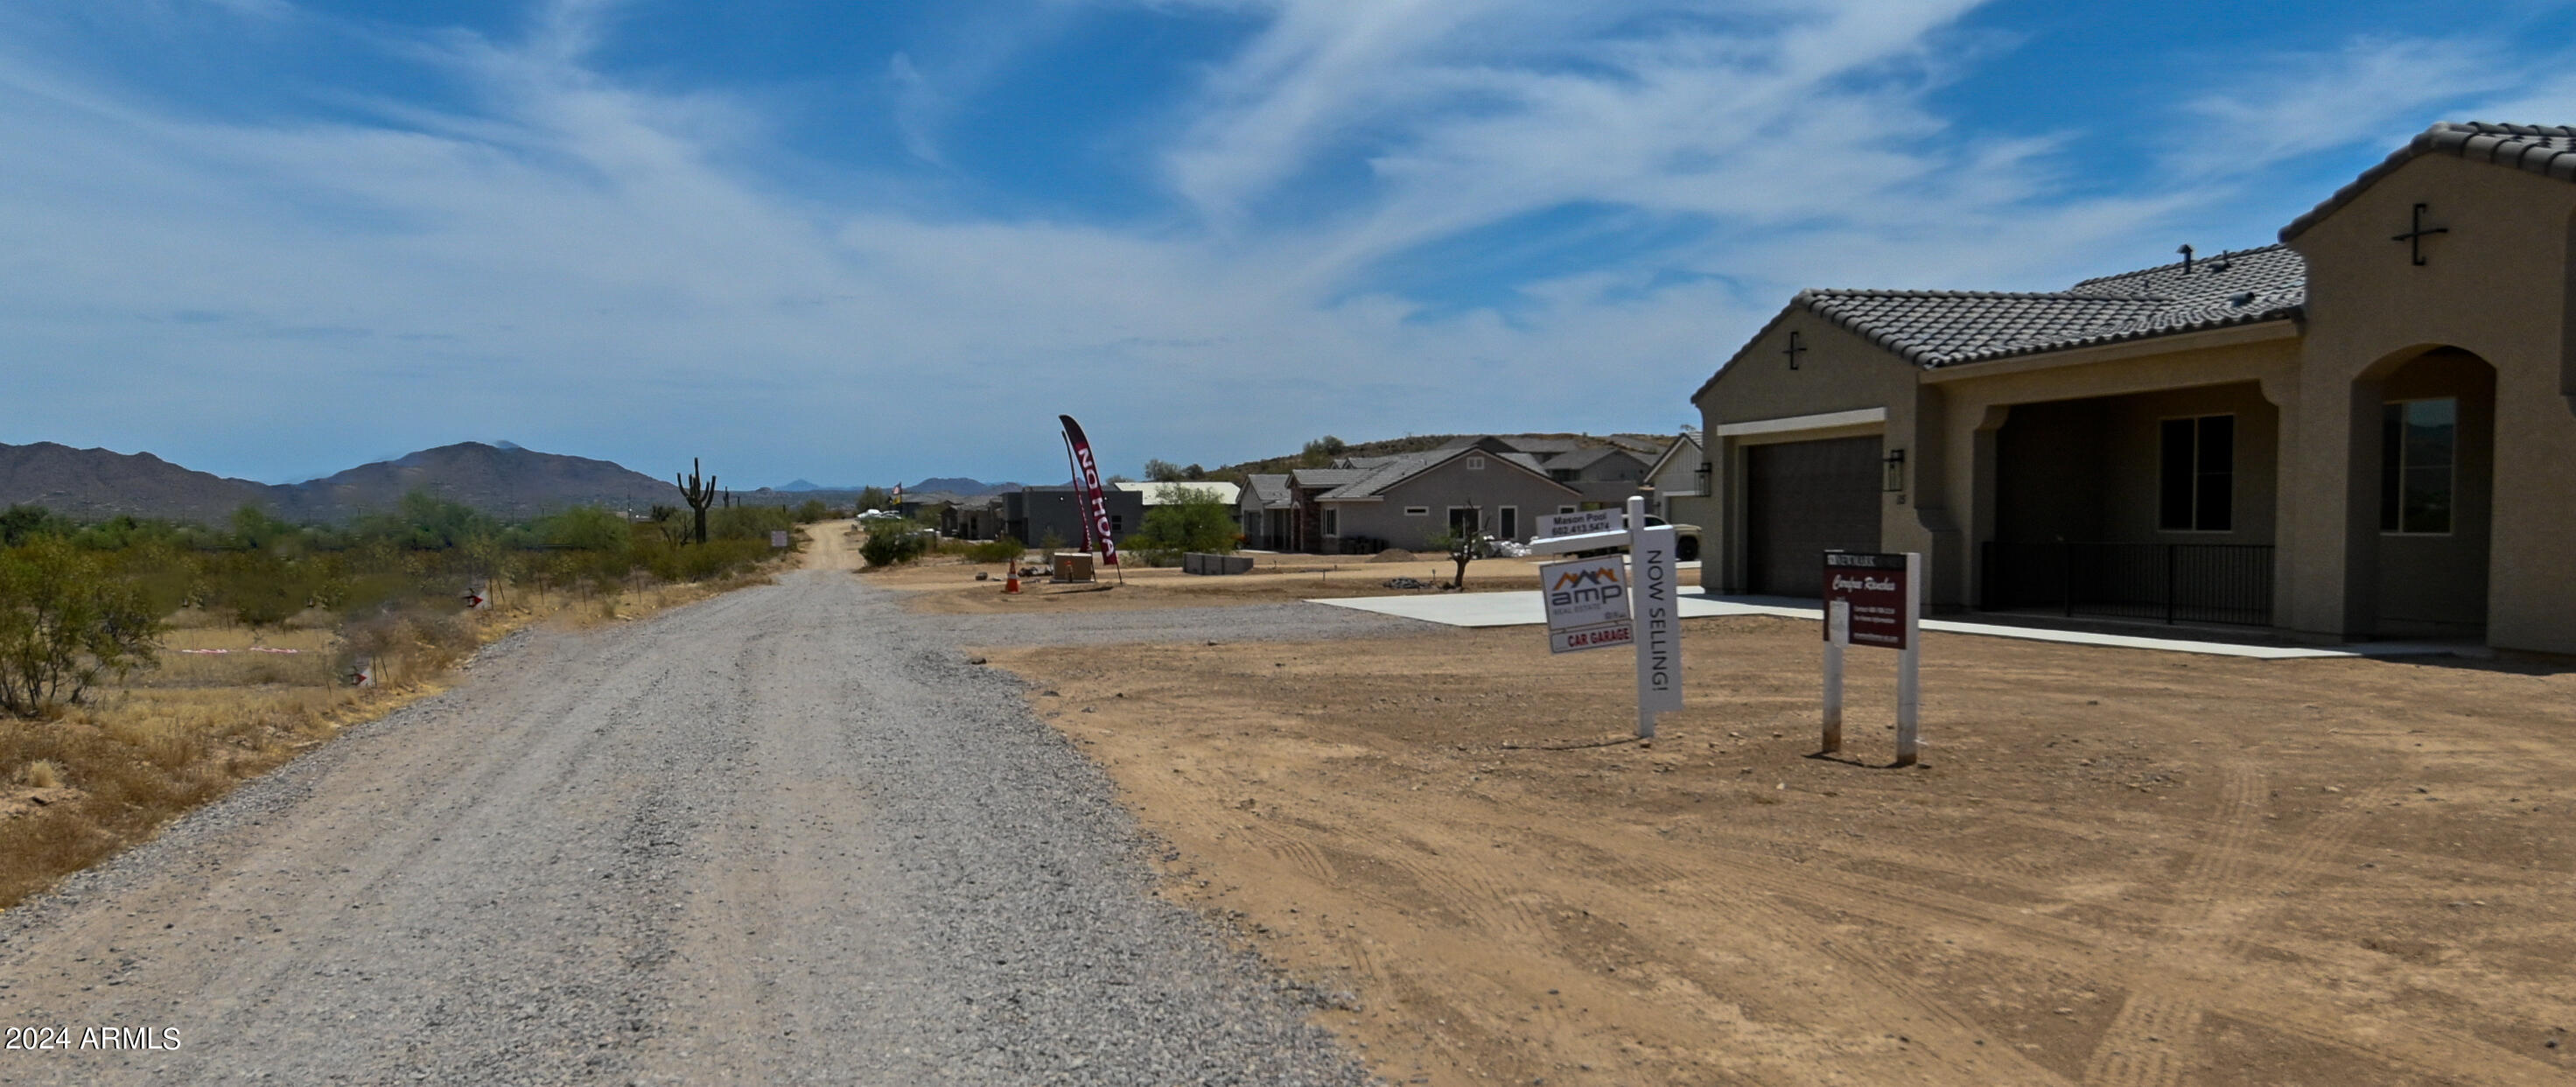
[{"x": 779, "y": 836}]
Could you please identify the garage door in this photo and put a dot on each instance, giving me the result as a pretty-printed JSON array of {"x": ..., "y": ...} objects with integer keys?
[{"x": 1802, "y": 499}]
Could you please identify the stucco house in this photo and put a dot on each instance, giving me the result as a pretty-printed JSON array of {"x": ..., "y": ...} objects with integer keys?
[
  {"x": 2367, "y": 430},
  {"x": 1267, "y": 510},
  {"x": 1407, "y": 500},
  {"x": 1678, "y": 477}
]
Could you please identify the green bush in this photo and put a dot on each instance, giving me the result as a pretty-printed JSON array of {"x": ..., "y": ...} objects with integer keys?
[
  {"x": 1005, "y": 549},
  {"x": 1192, "y": 519},
  {"x": 892, "y": 542},
  {"x": 65, "y": 619}
]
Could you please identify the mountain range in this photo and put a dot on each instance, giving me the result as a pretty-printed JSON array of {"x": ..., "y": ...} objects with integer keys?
[{"x": 92, "y": 484}]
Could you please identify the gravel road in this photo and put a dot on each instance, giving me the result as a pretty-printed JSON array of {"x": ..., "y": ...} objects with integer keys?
[{"x": 785, "y": 835}]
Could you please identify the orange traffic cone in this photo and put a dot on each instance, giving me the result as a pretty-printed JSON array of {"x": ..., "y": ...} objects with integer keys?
[{"x": 1012, "y": 584}]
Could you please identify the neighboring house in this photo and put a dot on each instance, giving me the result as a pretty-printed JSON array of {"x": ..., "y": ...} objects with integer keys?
[
  {"x": 929, "y": 507},
  {"x": 1031, "y": 514},
  {"x": 1409, "y": 500},
  {"x": 2364, "y": 431},
  {"x": 1677, "y": 477},
  {"x": 1159, "y": 494},
  {"x": 1313, "y": 525},
  {"x": 1267, "y": 510},
  {"x": 1605, "y": 475},
  {"x": 977, "y": 518}
]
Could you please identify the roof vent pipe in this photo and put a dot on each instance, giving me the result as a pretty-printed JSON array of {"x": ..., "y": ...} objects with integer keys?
[{"x": 2186, "y": 258}]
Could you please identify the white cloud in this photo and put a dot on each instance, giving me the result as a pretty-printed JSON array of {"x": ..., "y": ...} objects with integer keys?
[
  {"x": 582, "y": 265},
  {"x": 2374, "y": 90}
]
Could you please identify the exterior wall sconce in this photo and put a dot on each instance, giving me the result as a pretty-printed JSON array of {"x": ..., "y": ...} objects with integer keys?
[
  {"x": 1895, "y": 482},
  {"x": 1700, "y": 476}
]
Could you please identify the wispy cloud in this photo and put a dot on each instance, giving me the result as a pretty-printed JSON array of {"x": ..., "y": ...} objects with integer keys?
[
  {"x": 2374, "y": 90},
  {"x": 586, "y": 262}
]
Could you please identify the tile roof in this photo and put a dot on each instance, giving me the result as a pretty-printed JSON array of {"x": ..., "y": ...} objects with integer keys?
[
  {"x": 1585, "y": 458},
  {"x": 1942, "y": 328},
  {"x": 1377, "y": 481},
  {"x": 1326, "y": 477},
  {"x": 1271, "y": 490},
  {"x": 2547, "y": 150},
  {"x": 1394, "y": 470}
]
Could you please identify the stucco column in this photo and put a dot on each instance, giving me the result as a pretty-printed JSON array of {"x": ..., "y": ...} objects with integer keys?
[{"x": 2333, "y": 519}]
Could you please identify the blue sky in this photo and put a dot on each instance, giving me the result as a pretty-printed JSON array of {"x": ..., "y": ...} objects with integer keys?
[{"x": 868, "y": 242}]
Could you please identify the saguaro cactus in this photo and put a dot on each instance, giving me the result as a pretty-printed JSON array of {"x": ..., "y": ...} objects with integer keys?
[{"x": 700, "y": 495}]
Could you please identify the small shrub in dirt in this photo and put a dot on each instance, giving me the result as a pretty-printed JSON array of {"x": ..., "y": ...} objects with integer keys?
[
  {"x": 892, "y": 543},
  {"x": 1005, "y": 549},
  {"x": 64, "y": 622}
]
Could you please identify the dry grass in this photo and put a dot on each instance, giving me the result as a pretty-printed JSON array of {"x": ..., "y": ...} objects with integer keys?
[{"x": 112, "y": 772}]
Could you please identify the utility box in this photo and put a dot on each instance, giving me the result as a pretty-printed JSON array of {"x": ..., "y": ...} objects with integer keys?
[
  {"x": 1196, "y": 563},
  {"x": 1072, "y": 566}
]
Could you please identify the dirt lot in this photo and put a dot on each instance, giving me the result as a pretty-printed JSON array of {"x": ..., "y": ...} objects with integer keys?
[
  {"x": 948, "y": 586},
  {"x": 2118, "y": 867}
]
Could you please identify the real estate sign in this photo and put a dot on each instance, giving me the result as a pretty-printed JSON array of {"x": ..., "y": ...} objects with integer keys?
[
  {"x": 1580, "y": 523},
  {"x": 1875, "y": 588},
  {"x": 1587, "y": 603}
]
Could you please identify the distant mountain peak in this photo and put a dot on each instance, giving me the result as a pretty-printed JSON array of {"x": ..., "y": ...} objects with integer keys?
[{"x": 801, "y": 484}]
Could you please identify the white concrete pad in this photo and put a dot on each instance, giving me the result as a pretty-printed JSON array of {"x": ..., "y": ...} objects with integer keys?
[{"x": 1523, "y": 609}]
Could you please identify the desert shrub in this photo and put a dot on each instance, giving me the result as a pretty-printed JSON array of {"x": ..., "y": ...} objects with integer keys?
[
  {"x": 585, "y": 528},
  {"x": 423, "y": 637},
  {"x": 812, "y": 510},
  {"x": 65, "y": 620},
  {"x": 1191, "y": 519},
  {"x": 892, "y": 542},
  {"x": 23, "y": 523},
  {"x": 1005, "y": 549}
]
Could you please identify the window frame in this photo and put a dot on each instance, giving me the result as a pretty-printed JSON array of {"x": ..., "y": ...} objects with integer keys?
[
  {"x": 2197, "y": 473},
  {"x": 2392, "y": 458},
  {"x": 1417, "y": 511},
  {"x": 1508, "y": 520}
]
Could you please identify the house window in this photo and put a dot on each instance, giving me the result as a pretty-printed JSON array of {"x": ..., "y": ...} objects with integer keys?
[
  {"x": 1565, "y": 509},
  {"x": 1462, "y": 520},
  {"x": 1417, "y": 511},
  {"x": 1475, "y": 464},
  {"x": 2418, "y": 441},
  {"x": 1509, "y": 522},
  {"x": 2198, "y": 492},
  {"x": 1117, "y": 524},
  {"x": 1332, "y": 522}
]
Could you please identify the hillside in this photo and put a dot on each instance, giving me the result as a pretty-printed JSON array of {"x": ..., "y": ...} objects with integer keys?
[
  {"x": 510, "y": 482},
  {"x": 95, "y": 484}
]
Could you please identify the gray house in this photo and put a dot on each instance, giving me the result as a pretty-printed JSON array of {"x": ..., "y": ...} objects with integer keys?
[
  {"x": 1604, "y": 474},
  {"x": 1032, "y": 514},
  {"x": 1406, "y": 501},
  {"x": 1267, "y": 510}
]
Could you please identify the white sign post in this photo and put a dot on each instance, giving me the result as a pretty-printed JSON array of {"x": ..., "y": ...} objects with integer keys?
[
  {"x": 1657, "y": 617},
  {"x": 1837, "y": 638},
  {"x": 1647, "y": 611}
]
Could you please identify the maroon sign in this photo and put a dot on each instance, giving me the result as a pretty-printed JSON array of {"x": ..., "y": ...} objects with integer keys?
[{"x": 1875, "y": 587}]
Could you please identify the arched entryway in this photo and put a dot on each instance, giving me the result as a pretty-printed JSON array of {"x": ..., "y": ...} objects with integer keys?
[{"x": 2428, "y": 448}]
